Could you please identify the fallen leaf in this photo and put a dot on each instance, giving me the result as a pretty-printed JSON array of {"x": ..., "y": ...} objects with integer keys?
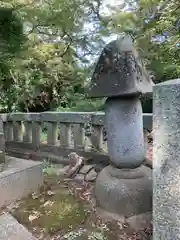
[
  {"x": 35, "y": 215},
  {"x": 41, "y": 236},
  {"x": 42, "y": 200},
  {"x": 86, "y": 194},
  {"x": 48, "y": 203},
  {"x": 79, "y": 189},
  {"x": 50, "y": 193},
  {"x": 32, "y": 217},
  {"x": 120, "y": 225},
  {"x": 35, "y": 196}
]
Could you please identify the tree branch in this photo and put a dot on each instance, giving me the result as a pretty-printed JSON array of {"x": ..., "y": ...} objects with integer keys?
[
  {"x": 67, "y": 48},
  {"x": 96, "y": 11}
]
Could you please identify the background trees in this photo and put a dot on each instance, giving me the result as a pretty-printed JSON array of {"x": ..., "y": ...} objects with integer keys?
[{"x": 48, "y": 47}]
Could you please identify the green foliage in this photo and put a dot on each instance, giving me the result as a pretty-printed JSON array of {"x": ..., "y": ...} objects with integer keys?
[
  {"x": 41, "y": 74},
  {"x": 78, "y": 103},
  {"x": 155, "y": 26},
  {"x": 148, "y": 21},
  {"x": 11, "y": 33},
  {"x": 12, "y": 40},
  {"x": 46, "y": 49}
]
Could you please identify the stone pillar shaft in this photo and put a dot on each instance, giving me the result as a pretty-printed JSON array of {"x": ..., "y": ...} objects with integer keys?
[
  {"x": 2, "y": 147},
  {"x": 124, "y": 125},
  {"x": 166, "y": 161}
]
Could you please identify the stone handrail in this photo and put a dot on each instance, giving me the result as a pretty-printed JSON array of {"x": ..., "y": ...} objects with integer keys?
[{"x": 65, "y": 132}]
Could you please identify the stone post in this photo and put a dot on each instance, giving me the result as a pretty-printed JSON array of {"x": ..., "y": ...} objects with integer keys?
[
  {"x": 166, "y": 160},
  {"x": 124, "y": 187},
  {"x": 2, "y": 147}
]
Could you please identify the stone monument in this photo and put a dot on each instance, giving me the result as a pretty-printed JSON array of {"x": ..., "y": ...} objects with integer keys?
[
  {"x": 166, "y": 160},
  {"x": 124, "y": 187}
]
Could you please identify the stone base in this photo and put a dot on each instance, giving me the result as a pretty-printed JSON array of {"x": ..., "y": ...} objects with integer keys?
[
  {"x": 141, "y": 221},
  {"x": 126, "y": 192},
  {"x": 10, "y": 229},
  {"x": 19, "y": 178}
]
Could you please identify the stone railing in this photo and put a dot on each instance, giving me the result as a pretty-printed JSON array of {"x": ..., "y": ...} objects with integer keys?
[{"x": 53, "y": 135}]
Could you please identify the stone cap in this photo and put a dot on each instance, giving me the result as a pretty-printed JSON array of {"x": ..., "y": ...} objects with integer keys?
[{"x": 119, "y": 72}]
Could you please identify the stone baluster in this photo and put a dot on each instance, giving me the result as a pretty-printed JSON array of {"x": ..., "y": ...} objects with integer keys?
[
  {"x": 17, "y": 131},
  {"x": 8, "y": 131},
  {"x": 2, "y": 147},
  {"x": 1, "y": 125},
  {"x": 27, "y": 136},
  {"x": 78, "y": 132},
  {"x": 2, "y": 142},
  {"x": 52, "y": 133},
  {"x": 65, "y": 135},
  {"x": 124, "y": 187},
  {"x": 36, "y": 135},
  {"x": 97, "y": 137},
  {"x": 145, "y": 140},
  {"x": 166, "y": 160},
  {"x": 2, "y": 153}
]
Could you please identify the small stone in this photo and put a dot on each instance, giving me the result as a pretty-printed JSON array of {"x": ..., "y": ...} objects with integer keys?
[
  {"x": 140, "y": 221},
  {"x": 76, "y": 234},
  {"x": 109, "y": 216},
  {"x": 91, "y": 176},
  {"x": 86, "y": 168},
  {"x": 79, "y": 177}
]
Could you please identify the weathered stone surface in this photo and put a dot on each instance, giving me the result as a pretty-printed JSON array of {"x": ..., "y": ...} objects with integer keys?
[
  {"x": 140, "y": 221},
  {"x": 1, "y": 124},
  {"x": 2, "y": 161},
  {"x": 98, "y": 167},
  {"x": 91, "y": 176},
  {"x": 65, "y": 117},
  {"x": 2, "y": 147},
  {"x": 126, "y": 192},
  {"x": 2, "y": 142},
  {"x": 166, "y": 160},
  {"x": 109, "y": 216},
  {"x": 10, "y": 229},
  {"x": 86, "y": 168},
  {"x": 20, "y": 178},
  {"x": 96, "y": 118},
  {"x": 119, "y": 72},
  {"x": 79, "y": 177},
  {"x": 125, "y": 132}
]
